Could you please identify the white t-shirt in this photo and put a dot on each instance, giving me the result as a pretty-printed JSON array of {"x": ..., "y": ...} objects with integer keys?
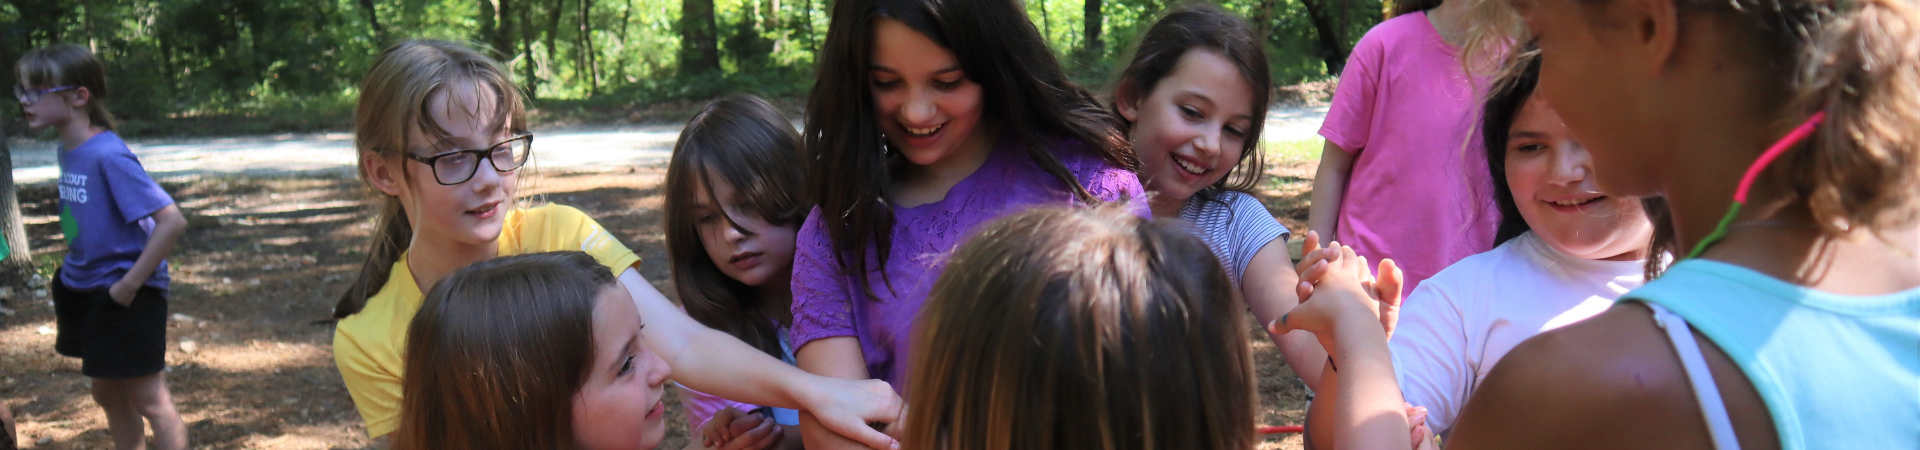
[{"x": 1458, "y": 324}]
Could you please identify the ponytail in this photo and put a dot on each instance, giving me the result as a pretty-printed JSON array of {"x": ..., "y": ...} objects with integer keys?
[
  {"x": 392, "y": 234},
  {"x": 1863, "y": 70}
]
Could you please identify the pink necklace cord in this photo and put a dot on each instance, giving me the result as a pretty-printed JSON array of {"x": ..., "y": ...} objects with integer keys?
[{"x": 1798, "y": 134}]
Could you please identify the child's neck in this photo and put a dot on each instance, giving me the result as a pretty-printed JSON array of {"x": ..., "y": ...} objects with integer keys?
[
  {"x": 776, "y": 296},
  {"x": 1450, "y": 21},
  {"x": 77, "y": 131},
  {"x": 1165, "y": 205},
  {"x": 922, "y": 184},
  {"x": 429, "y": 259}
]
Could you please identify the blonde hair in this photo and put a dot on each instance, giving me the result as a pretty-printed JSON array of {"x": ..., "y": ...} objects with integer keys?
[
  {"x": 69, "y": 65},
  {"x": 1082, "y": 328},
  {"x": 393, "y": 99}
]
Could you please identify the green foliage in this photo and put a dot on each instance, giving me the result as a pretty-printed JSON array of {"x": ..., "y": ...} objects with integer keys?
[{"x": 238, "y": 66}]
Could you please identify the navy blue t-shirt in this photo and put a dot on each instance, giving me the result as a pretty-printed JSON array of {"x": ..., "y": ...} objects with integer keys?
[{"x": 106, "y": 206}]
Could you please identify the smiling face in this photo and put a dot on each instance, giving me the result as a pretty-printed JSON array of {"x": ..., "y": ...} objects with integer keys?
[
  {"x": 620, "y": 406},
  {"x": 1553, "y": 186},
  {"x": 1191, "y": 129},
  {"x": 742, "y": 244},
  {"x": 927, "y": 106},
  {"x": 1595, "y": 80},
  {"x": 469, "y": 213}
]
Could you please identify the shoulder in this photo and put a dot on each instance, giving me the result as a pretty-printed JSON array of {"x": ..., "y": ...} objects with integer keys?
[
  {"x": 1609, "y": 381},
  {"x": 552, "y": 212},
  {"x": 1101, "y": 177},
  {"x": 1392, "y": 31}
]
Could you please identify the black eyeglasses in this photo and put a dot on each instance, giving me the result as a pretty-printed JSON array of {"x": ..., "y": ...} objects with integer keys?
[
  {"x": 458, "y": 166},
  {"x": 32, "y": 96}
]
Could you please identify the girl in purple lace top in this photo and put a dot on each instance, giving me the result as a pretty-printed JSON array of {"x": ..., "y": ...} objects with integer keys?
[{"x": 929, "y": 119}]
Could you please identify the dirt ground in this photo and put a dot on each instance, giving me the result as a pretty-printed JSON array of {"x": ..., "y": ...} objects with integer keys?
[{"x": 250, "y": 363}]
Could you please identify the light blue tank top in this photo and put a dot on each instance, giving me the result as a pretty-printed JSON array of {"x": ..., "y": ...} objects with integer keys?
[{"x": 1835, "y": 371}]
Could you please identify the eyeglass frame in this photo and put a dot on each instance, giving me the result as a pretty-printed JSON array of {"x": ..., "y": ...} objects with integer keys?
[
  {"x": 21, "y": 92},
  {"x": 482, "y": 153}
]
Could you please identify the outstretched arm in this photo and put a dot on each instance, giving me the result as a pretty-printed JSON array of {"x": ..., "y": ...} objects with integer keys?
[{"x": 714, "y": 362}]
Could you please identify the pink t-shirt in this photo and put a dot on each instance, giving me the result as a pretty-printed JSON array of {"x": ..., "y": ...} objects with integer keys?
[{"x": 1405, "y": 108}]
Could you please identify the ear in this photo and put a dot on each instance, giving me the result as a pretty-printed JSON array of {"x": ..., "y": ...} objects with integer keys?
[
  {"x": 383, "y": 174},
  {"x": 81, "y": 98},
  {"x": 1655, "y": 27},
  {"x": 1126, "y": 98}
]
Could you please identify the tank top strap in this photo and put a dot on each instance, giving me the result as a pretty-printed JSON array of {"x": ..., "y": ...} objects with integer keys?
[{"x": 1712, "y": 409}]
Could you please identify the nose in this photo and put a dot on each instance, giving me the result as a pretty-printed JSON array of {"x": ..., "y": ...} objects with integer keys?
[
  {"x": 733, "y": 233},
  {"x": 1207, "y": 144},
  {"x": 657, "y": 370},
  {"x": 485, "y": 177},
  {"x": 919, "y": 110},
  {"x": 1571, "y": 164}
]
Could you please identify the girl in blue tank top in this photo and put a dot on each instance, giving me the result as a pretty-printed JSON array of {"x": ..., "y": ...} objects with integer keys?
[{"x": 1794, "y": 322}]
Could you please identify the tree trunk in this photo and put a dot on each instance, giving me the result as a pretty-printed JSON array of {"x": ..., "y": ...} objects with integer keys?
[
  {"x": 1263, "y": 20},
  {"x": 525, "y": 27},
  {"x": 502, "y": 37},
  {"x": 18, "y": 257},
  {"x": 553, "y": 32},
  {"x": 1092, "y": 45},
  {"x": 489, "y": 18},
  {"x": 373, "y": 18},
  {"x": 1333, "y": 50},
  {"x": 587, "y": 63},
  {"x": 699, "y": 45}
]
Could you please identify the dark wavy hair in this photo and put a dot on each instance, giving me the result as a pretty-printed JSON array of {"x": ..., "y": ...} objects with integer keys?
[
  {"x": 751, "y": 146},
  {"x": 1202, "y": 26},
  {"x": 1024, "y": 92}
]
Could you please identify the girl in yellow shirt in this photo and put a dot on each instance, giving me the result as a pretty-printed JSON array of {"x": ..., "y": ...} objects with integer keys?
[{"x": 432, "y": 115}]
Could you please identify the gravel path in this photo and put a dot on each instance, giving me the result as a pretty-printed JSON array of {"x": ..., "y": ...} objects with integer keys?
[{"x": 584, "y": 149}]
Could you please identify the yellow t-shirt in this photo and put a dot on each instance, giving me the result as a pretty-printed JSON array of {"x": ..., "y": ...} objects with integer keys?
[{"x": 370, "y": 347}]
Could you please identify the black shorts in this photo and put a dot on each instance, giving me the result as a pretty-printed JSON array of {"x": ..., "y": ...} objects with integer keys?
[{"x": 112, "y": 341}]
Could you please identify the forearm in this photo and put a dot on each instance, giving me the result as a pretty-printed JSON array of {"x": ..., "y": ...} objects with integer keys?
[
  {"x": 1329, "y": 189},
  {"x": 1269, "y": 288},
  {"x": 838, "y": 357},
  {"x": 709, "y": 360},
  {"x": 168, "y": 226},
  {"x": 1369, "y": 409}
]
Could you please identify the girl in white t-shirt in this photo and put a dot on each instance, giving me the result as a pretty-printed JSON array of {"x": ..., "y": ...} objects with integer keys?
[{"x": 1563, "y": 253}]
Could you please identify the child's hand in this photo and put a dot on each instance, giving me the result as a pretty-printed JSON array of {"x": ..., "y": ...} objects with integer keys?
[
  {"x": 847, "y": 407},
  {"x": 1421, "y": 433},
  {"x": 1340, "y": 300},
  {"x": 731, "y": 429},
  {"x": 122, "y": 291},
  {"x": 1386, "y": 289}
]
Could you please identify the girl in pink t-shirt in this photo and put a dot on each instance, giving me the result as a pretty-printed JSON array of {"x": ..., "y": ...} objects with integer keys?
[{"x": 1395, "y": 181}]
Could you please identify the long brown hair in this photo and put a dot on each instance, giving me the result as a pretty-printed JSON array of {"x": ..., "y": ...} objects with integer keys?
[
  {"x": 751, "y": 146},
  {"x": 1023, "y": 90},
  {"x": 498, "y": 352},
  {"x": 1082, "y": 328},
  {"x": 393, "y": 99},
  {"x": 1201, "y": 26},
  {"x": 69, "y": 65}
]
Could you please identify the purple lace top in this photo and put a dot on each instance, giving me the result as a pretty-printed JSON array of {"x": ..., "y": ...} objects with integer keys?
[{"x": 827, "y": 303}]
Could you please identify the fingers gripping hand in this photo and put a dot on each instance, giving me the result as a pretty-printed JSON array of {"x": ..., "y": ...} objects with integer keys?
[
  {"x": 760, "y": 432},
  {"x": 849, "y": 406}
]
